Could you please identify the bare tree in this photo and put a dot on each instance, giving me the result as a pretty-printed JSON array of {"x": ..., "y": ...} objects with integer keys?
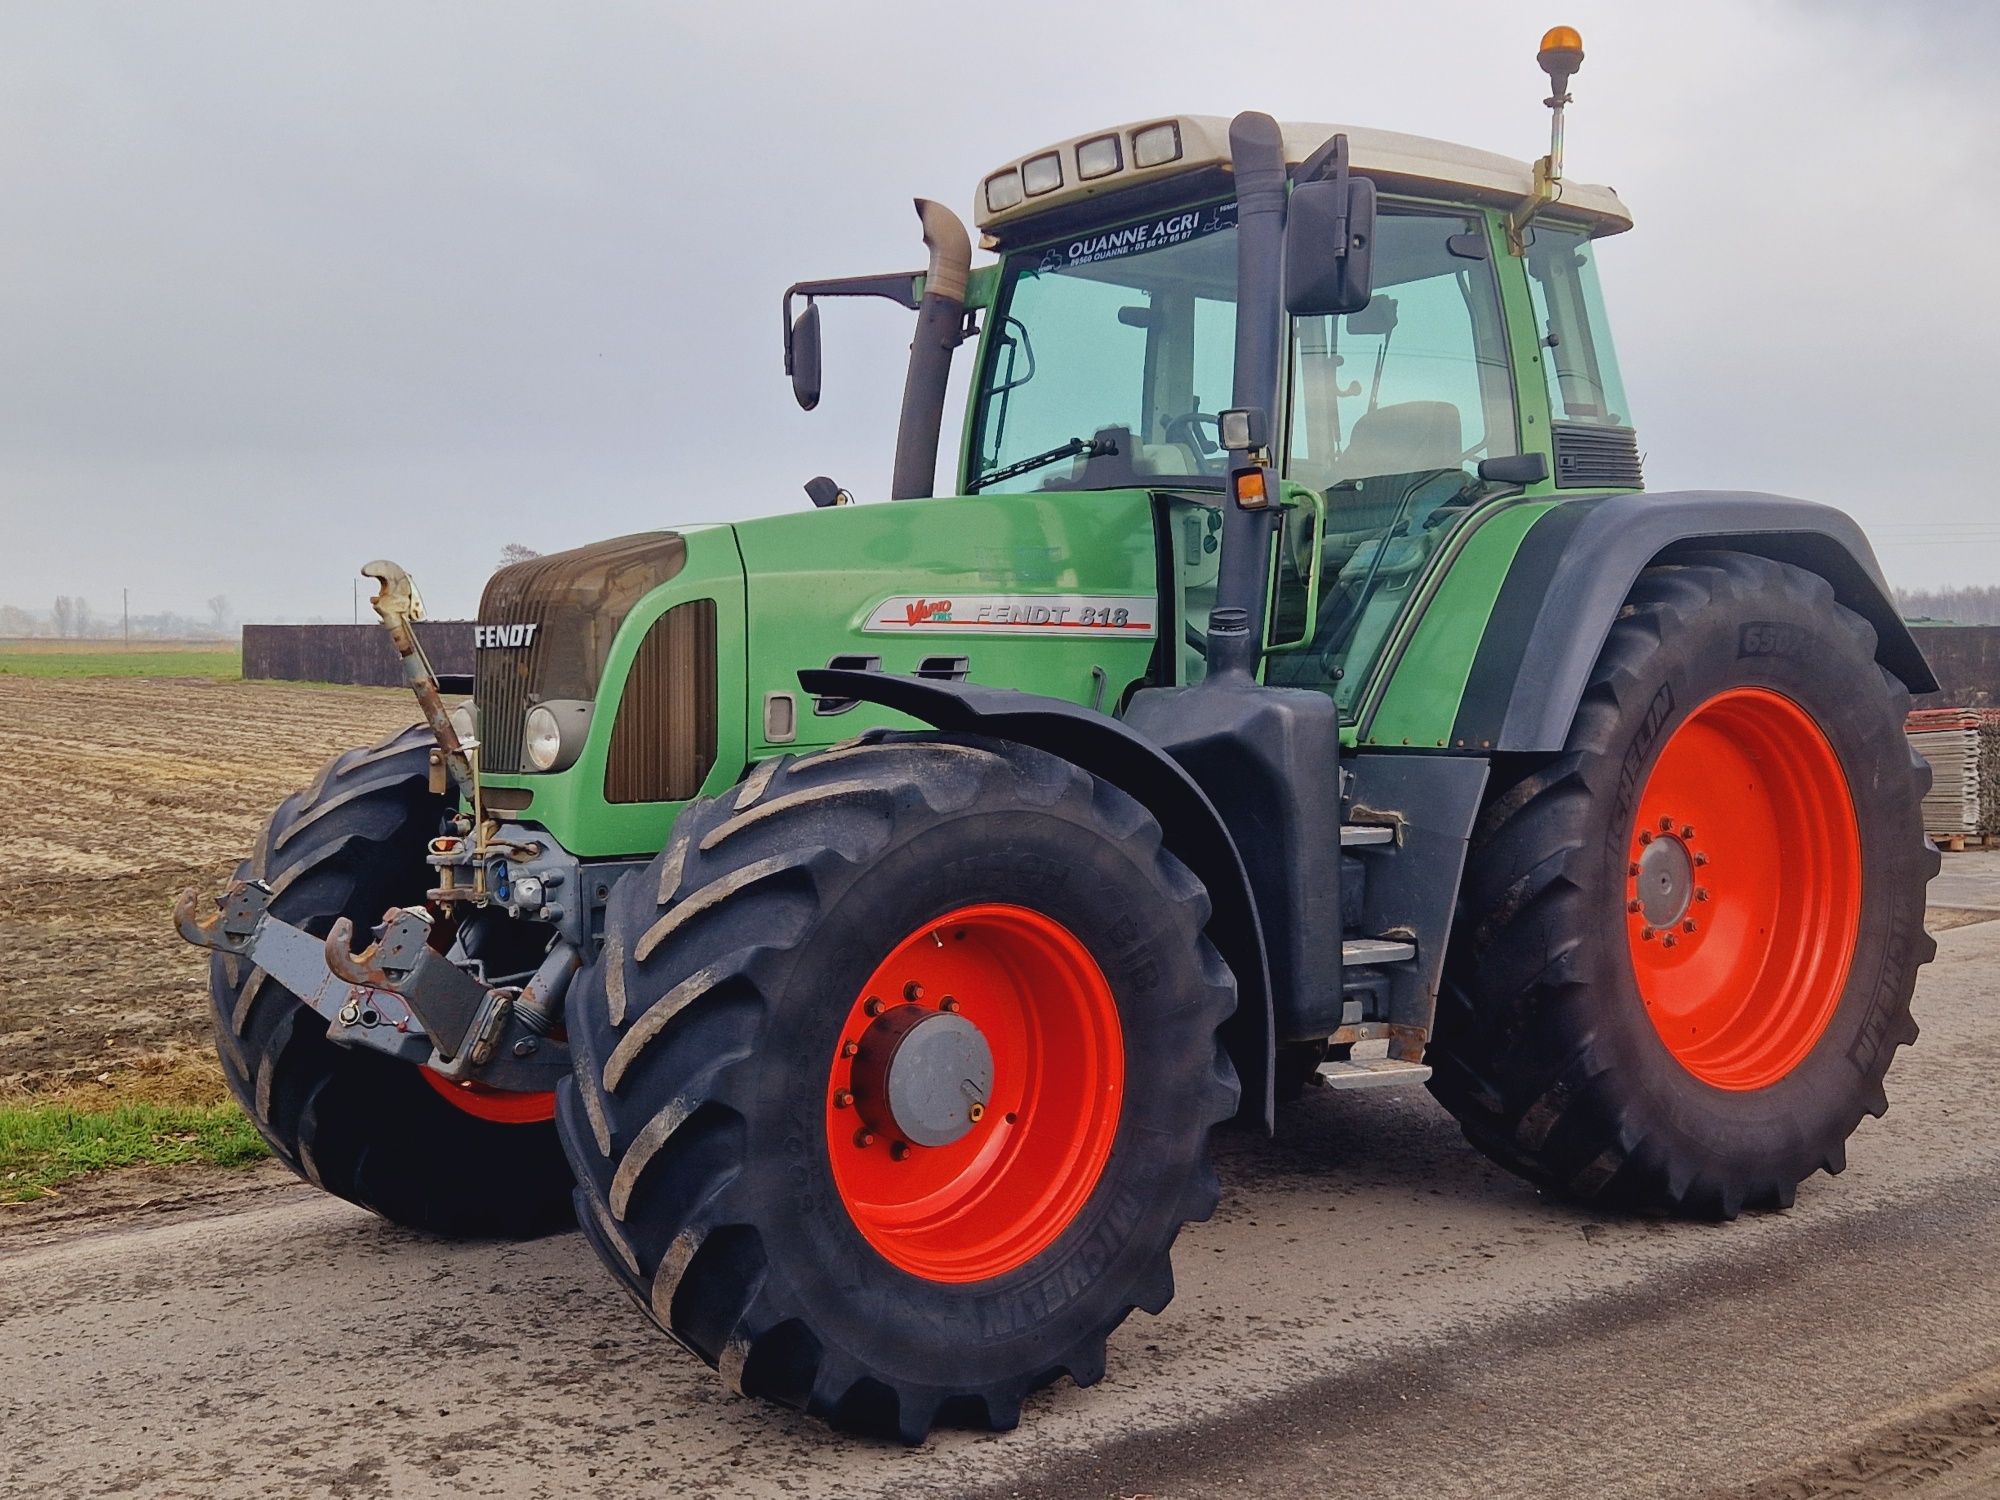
[
  {"x": 80, "y": 617},
  {"x": 1963, "y": 606},
  {"x": 516, "y": 552},
  {"x": 64, "y": 613},
  {"x": 218, "y": 613}
]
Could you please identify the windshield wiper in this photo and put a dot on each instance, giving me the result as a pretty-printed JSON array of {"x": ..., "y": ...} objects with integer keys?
[{"x": 1087, "y": 447}]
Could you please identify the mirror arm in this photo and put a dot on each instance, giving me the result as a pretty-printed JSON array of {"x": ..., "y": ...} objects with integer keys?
[{"x": 900, "y": 288}]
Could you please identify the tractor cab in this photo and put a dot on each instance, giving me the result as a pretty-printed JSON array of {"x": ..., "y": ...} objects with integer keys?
[{"x": 1470, "y": 374}]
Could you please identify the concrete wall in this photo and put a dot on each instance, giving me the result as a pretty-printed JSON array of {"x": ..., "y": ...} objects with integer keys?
[
  {"x": 1966, "y": 659},
  {"x": 358, "y": 654}
]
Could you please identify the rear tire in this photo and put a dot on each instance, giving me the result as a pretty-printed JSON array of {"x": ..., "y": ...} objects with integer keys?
[
  {"x": 716, "y": 1117},
  {"x": 360, "y": 1125},
  {"x": 1737, "y": 777}
]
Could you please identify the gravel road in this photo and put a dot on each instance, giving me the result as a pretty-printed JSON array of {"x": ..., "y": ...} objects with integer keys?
[{"x": 1374, "y": 1312}]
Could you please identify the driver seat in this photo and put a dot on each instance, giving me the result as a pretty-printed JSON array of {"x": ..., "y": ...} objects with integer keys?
[{"x": 1393, "y": 452}]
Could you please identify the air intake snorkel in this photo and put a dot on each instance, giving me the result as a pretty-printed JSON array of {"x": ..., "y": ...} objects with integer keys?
[
  {"x": 1236, "y": 622},
  {"x": 940, "y": 327}
]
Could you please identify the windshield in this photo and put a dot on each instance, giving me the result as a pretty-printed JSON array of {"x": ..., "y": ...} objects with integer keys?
[{"x": 1112, "y": 352}]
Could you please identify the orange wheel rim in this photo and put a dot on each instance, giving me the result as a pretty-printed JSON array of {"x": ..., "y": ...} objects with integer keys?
[
  {"x": 1743, "y": 889},
  {"x": 498, "y": 1106},
  {"x": 975, "y": 1092}
]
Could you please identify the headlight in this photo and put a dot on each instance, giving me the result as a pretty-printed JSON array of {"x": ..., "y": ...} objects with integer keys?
[
  {"x": 465, "y": 724},
  {"x": 1099, "y": 157},
  {"x": 552, "y": 735},
  {"x": 543, "y": 740},
  {"x": 1041, "y": 174},
  {"x": 1157, "y": 145},
  {"x": 1003, "y": 190}
]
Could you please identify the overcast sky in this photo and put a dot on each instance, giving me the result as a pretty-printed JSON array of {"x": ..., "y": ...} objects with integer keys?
[{"x": 284, "y": 287}]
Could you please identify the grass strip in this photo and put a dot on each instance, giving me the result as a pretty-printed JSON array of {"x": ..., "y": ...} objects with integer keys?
[
  {"x": 43, "y": 1145},
  {"x": 225, "y": 665}
]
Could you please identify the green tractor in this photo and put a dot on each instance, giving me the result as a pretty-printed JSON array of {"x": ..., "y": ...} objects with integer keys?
[{"x": 861, "y": 919}]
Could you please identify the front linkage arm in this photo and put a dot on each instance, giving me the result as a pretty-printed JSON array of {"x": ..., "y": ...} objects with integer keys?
[{"x": 400, "y": 996}]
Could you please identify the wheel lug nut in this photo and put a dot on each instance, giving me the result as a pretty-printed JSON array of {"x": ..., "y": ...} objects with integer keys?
[
  {"x": 1700, "y": 858},
  {"x": 1667, "y": 941},
  {"x": 1631, "y": 906},
  {"x": 1701, "y": 893},
  {"x": 1687, "y": 830},
  {"x": 1666, "y": 825},
  {"x": 898, "y": 1150},
  {"x": 873, "y": 1006},
  {"x": 1646, "y": 933},
  {"x": 1687, "y": 927},
  {"x": 948, "y": 1005},
  {"x": 913, "y": 991},
  {"x": 864, "y": 1138},
  {"x": 977, "y": 1112},
  {"x": 848, "y": 1049},
  {"x": 1646, "y": 837},
  {"x": 843, "y": 1098}
]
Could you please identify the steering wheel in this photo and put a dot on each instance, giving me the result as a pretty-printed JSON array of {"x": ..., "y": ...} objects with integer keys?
[{"x": 1185, "y": 429}]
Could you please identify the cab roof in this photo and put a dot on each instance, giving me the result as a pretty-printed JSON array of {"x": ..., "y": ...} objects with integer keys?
[{"x": 1398, "y": 163}]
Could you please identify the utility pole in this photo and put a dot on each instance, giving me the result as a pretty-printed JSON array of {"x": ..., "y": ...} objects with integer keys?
[
  {"x": 126, "y": 596},
  {"x": 355, "y": 588}
]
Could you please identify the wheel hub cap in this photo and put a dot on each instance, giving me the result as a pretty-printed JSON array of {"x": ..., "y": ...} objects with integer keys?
[
  {"x": 923, "y": 1075},
  {"x": 1666, "y": 881}
]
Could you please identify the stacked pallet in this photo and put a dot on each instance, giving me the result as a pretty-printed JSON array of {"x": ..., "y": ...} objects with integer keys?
[
  {"x": 1989, "y": 772},
  {"x": 1949, "y": 738}
]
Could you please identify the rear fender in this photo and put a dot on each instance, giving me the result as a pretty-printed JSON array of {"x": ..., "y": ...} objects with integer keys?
[
  {"x": 1191, "y": 827},
  {"x": 1576, "y": 566}
]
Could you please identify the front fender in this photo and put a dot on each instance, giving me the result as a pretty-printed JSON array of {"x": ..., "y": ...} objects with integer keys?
[
  {"x": 1577, "y": 564},
  {"x": 1191, "y": 827}
]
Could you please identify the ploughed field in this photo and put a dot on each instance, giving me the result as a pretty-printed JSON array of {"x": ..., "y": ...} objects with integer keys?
[{"x": 117, "y": 792}]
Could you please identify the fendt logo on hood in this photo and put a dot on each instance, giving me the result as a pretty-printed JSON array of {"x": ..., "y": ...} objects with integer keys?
[{"x": 503, "y": 637}]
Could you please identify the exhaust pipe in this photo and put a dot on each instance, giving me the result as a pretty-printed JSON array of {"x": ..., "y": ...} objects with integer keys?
[{"x": 940, "y": 327}]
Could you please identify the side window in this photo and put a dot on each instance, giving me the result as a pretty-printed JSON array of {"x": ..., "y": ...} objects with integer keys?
[{"x": 1576, "y": 340}]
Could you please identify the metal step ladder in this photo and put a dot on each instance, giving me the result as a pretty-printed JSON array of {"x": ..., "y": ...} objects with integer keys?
[{"x": 1367, "y": 1065}]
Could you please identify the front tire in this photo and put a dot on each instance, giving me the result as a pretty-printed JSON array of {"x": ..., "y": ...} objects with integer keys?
[
  {"x": 1686, "y": 947},
  {"x": 378, "y": 1132},
  {"x": 746, "y": 1164}
]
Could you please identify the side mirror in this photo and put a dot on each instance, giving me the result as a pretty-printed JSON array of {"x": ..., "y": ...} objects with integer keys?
[
  {"x": 803, "y": 357},
  {"x": 1330, "y": 246}
]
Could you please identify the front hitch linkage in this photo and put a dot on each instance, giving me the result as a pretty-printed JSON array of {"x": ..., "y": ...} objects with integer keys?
[{"x": 399, "y": 995}]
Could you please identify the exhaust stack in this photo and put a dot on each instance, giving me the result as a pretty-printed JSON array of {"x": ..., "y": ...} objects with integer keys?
[{"x": 940, "y": 327}]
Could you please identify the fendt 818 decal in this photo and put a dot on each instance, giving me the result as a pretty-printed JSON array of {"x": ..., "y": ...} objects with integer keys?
[{"x": 1023, "y": 614}]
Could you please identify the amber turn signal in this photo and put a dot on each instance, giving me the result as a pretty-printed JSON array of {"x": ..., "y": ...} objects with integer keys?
[{"x": 1248, "y": 487}]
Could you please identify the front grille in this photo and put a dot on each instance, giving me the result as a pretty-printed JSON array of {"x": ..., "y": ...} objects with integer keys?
[
  {"x": 576, "y": 601},
  {"x": 1597, "y": 457},
  {"x": 664, "y": 741}
]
